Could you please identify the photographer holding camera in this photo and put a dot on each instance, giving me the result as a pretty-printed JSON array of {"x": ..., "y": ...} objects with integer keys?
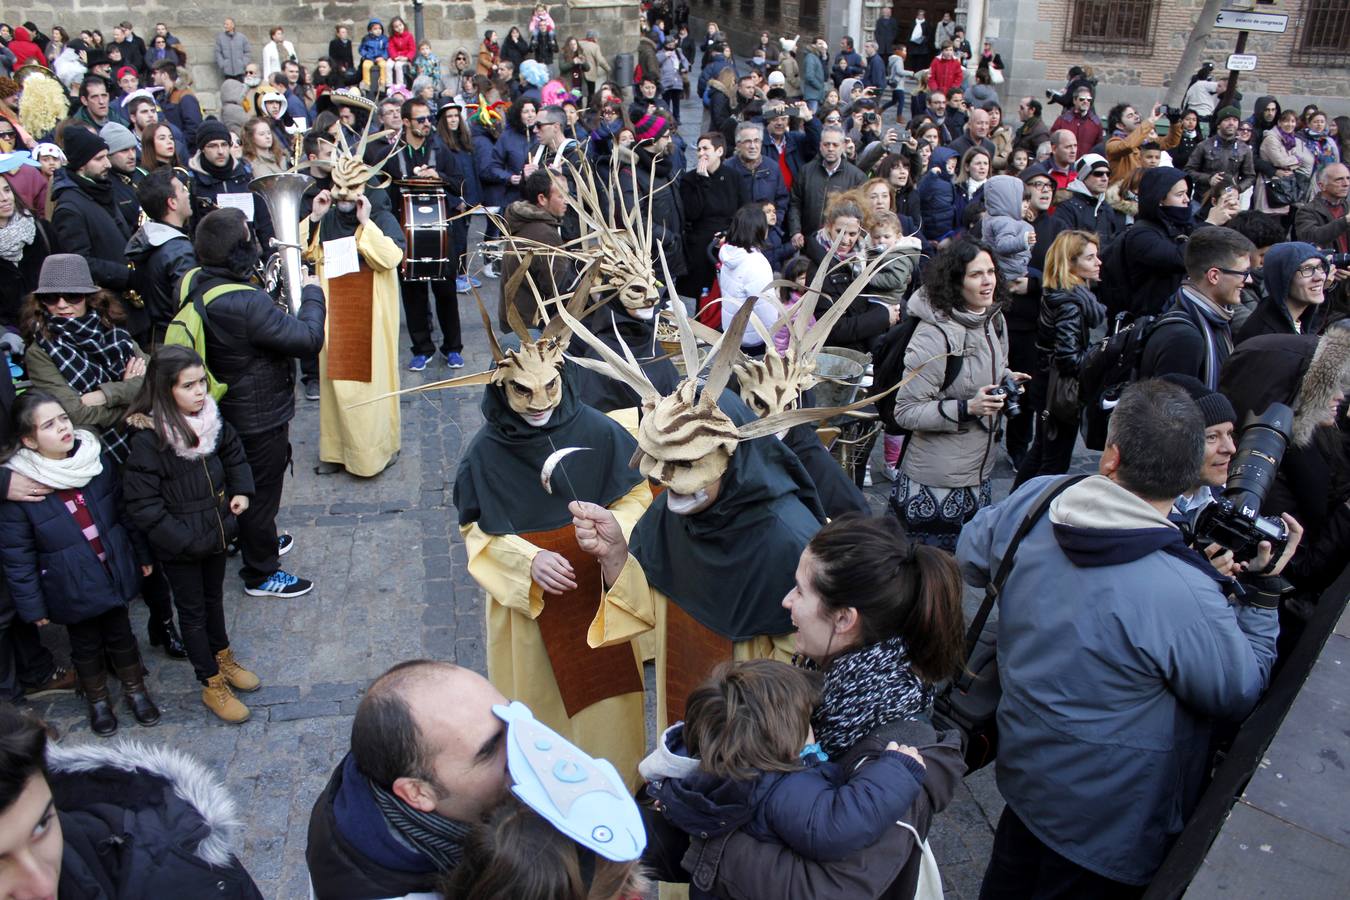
[
  {"x": 1325, "y": 221},
  {"x": 1307, "y": 374},
  {"x": 1117, "y": 649},
  {"x": 954, "y": 418}
]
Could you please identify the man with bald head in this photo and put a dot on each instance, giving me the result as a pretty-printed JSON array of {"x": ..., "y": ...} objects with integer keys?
[
  {"x": 427, "y": 762},
  {"x": 1063, "y": 154},
  {"x": 1325, "y": 221},
  {"x": 976, "y": 134}
]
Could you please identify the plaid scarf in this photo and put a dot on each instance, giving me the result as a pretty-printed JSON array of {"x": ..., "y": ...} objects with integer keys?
[
  {"x": 439, "y": 839},
  {"x": 864, "y": 690},
  {"x": 88, "y": 353}
]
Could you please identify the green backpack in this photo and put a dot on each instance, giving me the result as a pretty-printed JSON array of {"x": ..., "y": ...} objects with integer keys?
[{"x": 188, "y": 328}]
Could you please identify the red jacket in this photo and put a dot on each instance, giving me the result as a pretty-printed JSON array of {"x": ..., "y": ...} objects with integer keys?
[
  {"x": 946, "y": 75},
  {"x": 402, "y": 45},
  {"x": 1088, "y": 129},
  {"x": 24, "y": 49}
]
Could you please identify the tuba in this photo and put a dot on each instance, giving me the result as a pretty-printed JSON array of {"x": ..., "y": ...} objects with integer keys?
[{"x": 284, "y": 270}]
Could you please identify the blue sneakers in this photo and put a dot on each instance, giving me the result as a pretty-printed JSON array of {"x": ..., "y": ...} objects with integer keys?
[
  {"x": 281, "y": 584},
  {"x": 417, "y": 363},
  {"x": 464, "y": 282},
  {"x": 454, "y": 360}
]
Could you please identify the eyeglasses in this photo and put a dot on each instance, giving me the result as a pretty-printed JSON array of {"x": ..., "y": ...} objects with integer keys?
[
  {"x": 1244, "y": 274},
  {"x": 1311, "y": 271},
  {"x": 609, "y": 113},
  {"x": 1041, "y": 185}
]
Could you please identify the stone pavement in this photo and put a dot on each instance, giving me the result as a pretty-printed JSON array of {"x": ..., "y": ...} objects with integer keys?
[{"x": 391, "y": 584}]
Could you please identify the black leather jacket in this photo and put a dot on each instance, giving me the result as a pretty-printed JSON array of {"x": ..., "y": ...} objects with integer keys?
[
  {"x": 1062, "y": 329},
  {"x": 162, "y": 255}
]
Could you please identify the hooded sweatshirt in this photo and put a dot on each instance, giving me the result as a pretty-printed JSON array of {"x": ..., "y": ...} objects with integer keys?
[
  {"x": 1116, "y": 647},
  {"x": 1004, "y": 227},
  {"x": 1272, "y": 315}
]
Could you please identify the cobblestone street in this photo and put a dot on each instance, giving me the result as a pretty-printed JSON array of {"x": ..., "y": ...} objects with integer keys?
[{"x": 390, "y": 584}]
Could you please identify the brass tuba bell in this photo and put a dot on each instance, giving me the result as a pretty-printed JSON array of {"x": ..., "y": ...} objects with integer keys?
[{"x": 284, "y": 194}]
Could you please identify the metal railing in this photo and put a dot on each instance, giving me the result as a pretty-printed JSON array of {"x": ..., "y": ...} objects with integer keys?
[
  {"x": 1113, "y": 25},
  {"x": 1323, "y": 37}
]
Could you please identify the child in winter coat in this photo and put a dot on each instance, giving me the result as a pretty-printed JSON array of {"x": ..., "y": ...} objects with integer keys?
[
  {"x": 1004, "y": 229},
  {"x": 745, "y": 758},
  {"x": 541, "y": 22},
  {"x": 374, "y": 52},
  {"x": 185, "y": 481},
  {"x": 795, "y": 271},
  {"x": 890, "y": 283},
  {"x": 402, "y": 50},
  {"x": 68, "y": 558},
  {"x": 427, "y": 65}
]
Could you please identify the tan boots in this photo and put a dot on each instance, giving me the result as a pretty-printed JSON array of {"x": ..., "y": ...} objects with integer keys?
[{"x": 217, "y": 694}]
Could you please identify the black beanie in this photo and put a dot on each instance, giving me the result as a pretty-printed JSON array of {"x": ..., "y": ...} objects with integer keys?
[
  {"x": 212, "y": 130},
  {"x": 218, "y": 234},
  {"x": 1215, "y": 407},
  {"x": 81, "y": 145}
]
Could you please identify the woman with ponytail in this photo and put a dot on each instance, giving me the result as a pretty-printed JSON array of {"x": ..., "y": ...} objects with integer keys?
[{"x": 879, "y": 615}]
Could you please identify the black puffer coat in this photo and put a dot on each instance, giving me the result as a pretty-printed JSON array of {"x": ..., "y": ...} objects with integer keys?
[
  {"x": 182, "y": 506},
  {"x": 162, "y": 255},
  {"x": 206, "y": 188},
  {"x": 1154, "y": 248},
  {"x": 144, "y": 823},
  {"x": 250, "y": 345},
  {"x": 1062, "y": 330}
]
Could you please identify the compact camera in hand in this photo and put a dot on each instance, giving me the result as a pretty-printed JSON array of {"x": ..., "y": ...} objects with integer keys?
[{"x": 1234, "y": 520}]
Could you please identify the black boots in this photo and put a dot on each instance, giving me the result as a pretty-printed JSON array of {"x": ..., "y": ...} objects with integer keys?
[
  {"x": 95, "y": 687},
  {"x": 164, "y": 633},
  {"x": 132, "y": 675}
]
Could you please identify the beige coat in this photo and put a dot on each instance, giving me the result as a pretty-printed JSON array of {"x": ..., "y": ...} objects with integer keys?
[
  {"x": 599, "y": 66},
  {"x": 944, "y": 451},
  {"x": 1300, "y": 159}
]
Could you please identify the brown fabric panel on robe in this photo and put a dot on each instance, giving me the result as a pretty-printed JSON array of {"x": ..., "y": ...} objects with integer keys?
[
  {"x": 692, "y": 650},
  {"x": 584, "y": 676},
  {"x": 351, "y": 305}
]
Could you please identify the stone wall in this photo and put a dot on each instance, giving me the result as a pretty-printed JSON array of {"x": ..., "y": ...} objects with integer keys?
[
  {"x": 1031, "y": 39},
  {"x": 450, "y": 24}
]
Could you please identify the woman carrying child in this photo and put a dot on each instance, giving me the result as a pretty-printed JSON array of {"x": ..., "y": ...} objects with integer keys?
[{"x": 880, "y": 616}]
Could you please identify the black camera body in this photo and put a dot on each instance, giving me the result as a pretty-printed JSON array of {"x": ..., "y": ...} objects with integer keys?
[
  {"x": 1338, "y": 260},
  {"x": 1234, "y": 519},
  {"x": 1011, "y": 392},
  {"x": 870, "y": 118}
]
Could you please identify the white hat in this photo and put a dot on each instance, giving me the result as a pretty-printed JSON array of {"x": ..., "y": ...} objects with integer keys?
[
  {"x": 48, "y": 149},
  {"x": 776, "y": 79}
]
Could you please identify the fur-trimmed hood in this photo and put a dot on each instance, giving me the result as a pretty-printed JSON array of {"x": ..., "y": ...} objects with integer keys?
[
  {"x": 188, "y": 780},
  {"x": 1120, "y": 202},
  {"x": 1302, "y": 371}
]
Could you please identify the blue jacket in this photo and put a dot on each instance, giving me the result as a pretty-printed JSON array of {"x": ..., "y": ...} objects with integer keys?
[
  {"x": 764, "y": 185},
  {"x": 875, "y": 72},
  {"x": 50, "y": 568},
  {"x": 483, "y": 146},
  {"x": 711, "y": 71},
  {"x": 1116, "y": 647},
  {"x": 802, "y": 146},
  {"x": 813, "y": 76},
  {"x": 938, "y": 197},
  {"x": 509, "y": 156},
  {"x": 854, "y": 65},
  {"x": 374, "y": 46}
]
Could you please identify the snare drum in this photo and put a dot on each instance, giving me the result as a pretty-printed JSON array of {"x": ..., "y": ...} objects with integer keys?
[{"x": 428, "y": 235}]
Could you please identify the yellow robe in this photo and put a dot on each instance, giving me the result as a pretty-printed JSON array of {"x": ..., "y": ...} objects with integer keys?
[
  {"x": 363, "y": 440},
  {"x": 633, "y": 609},
  {"x": 518, "y": 663}
]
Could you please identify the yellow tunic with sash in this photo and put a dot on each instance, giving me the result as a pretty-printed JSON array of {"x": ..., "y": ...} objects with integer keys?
[
  {"x": 518, "y": 660},
  {"x": 363, "y": 440}
]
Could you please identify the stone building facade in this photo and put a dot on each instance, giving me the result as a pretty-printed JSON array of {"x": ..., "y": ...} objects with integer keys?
[
  {"x": 1134, "y": 47},
  {"x": 449, "y": 24}
]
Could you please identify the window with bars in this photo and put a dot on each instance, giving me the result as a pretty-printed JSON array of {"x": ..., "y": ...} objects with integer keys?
[
  {"x": 1114, "y": 25},
  {"x": 808, "y": 19},
  {"x": 1323, "y": 34}
]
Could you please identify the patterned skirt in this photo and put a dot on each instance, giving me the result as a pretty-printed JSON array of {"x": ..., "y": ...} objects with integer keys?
[{"x": 935, "y": 515}]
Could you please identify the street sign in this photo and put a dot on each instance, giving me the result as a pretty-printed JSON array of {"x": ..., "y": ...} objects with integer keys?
[
  {"x": 1241, "y": 62},
  {"x": 1241, "y": 20}
]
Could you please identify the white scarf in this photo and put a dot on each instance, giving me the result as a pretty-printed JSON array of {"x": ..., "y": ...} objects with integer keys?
[
  {"x": 72, "y": 472},
  {"x": 16, "y": 235},
  {"x": 206, "y": 425}
]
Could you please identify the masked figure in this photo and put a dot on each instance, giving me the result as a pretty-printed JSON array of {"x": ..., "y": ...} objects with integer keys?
[{"x": 357, "y": 246}]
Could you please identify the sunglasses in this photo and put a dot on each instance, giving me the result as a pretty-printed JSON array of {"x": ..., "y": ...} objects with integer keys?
[
  {"x": 422, "y": 119},
  {"x": 58, "y": 299}
]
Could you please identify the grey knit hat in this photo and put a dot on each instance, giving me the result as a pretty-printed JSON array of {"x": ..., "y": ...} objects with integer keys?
[
  {"x": 65, "y": 273},
  {"x": 117, "y": 137}
]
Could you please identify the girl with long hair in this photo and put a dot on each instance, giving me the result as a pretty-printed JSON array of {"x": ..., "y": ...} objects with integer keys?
[
  {"x": 158, "y": 148},
  {"x": 68, "y": 558},
  {"x": 185, "y": 481},
  {"x": 262, "y": 152},
  {"x": 454, "y": 132}
]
